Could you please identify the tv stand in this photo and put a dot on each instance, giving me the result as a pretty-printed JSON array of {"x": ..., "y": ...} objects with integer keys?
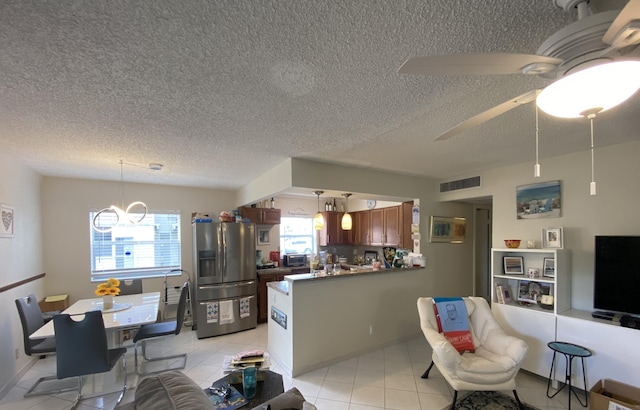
[{"x": 599, "y": 314}]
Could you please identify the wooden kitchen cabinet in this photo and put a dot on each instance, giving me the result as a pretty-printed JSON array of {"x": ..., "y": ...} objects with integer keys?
[
  {"x": 407, "y": 217},
  {"x": 385, "y": 226},
  {"x": 265, "y": 216},
  {"x": 263, "y": 303},
  {"x": 332, "y": 232},
  {"x": 393, "y": 226},
  {"x": 361, "y": 228}
]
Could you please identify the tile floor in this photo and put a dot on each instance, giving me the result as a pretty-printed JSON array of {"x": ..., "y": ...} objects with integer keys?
[{"x": 384, "y": 379}]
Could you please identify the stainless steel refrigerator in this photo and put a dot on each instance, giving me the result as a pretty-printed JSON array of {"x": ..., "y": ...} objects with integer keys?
[{"x": 225, "y": 278}]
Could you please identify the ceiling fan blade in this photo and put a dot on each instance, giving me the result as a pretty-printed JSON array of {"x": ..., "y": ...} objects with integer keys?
[
  {"x": 625, "y": 29},
  {"x": 475, "y": 64},
  {"x": 489, "y": 114}
]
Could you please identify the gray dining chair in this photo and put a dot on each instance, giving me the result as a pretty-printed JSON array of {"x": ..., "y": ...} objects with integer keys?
[
  {"x": 130, "y": 287},
  {"x": 82, "y": 349},
  {"x": 161, "y": 329},
  {"x": 31, "y": 319}
]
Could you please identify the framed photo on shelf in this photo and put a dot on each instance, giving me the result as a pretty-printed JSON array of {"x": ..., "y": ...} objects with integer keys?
[
  {"x": 502, "y": 294},
  {"x": 552, "y": 238},
  {"x": 549, "y": 268},
  {"x": 532, "y": 292},
  {"x": 513, "y": 265}
]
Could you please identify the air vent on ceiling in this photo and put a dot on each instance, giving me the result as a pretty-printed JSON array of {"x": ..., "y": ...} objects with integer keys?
[{"x": 472, "y": 182}]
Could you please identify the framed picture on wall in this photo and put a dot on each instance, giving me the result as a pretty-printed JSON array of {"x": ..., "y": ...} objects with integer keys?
[
  {"x": 448, "y": 229},
  {"x": 6, "y": 227},
  {"x": 263, "y": 236}
]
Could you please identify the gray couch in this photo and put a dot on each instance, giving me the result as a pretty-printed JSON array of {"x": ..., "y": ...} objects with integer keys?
[{"x": 173, "y": 390}]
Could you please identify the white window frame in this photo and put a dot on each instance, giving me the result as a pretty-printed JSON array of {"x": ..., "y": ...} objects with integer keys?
[
  {"x": 283, "y": 235},
  {"x": 149, "y": 261}
]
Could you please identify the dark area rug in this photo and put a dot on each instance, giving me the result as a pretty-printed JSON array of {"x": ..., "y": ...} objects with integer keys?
[{"x": 489, "y": 400}]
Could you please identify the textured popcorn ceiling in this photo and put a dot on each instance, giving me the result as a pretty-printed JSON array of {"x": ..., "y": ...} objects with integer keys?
[{"x": 222, "y": 91}]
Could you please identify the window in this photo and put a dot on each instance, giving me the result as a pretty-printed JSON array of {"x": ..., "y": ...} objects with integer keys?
[
  {"x": 147, "y": 249},
  {"x": 297, "y": 235}
]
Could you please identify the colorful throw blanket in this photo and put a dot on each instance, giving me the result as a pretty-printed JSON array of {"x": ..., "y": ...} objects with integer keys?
[{"x": 453, "y": 322}]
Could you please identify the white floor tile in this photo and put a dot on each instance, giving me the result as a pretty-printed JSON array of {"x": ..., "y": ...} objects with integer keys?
[{"x": 385, "y": 379}]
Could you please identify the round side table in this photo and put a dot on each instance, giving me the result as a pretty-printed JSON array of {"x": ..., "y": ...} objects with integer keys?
[{"x": 569, "y": 350}]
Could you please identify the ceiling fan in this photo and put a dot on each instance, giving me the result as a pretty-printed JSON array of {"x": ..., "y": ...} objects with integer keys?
[{"x": 594, "y": 40}]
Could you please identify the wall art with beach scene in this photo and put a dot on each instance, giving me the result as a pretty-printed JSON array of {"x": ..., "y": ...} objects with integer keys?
[{"x": 538, "y": 200}]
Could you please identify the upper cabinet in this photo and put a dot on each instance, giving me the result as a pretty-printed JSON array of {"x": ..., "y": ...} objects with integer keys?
[
  {"x": 267, "y": 216},
  {"x": 386, "y": 226},
  {"x": 332, "y": 233},
  {"x": 360, "y": 228}
]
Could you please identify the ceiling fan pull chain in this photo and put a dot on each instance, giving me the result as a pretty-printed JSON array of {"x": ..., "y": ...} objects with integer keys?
[
  {"x": 536, "y": 168},
  {"x": 592, "y": 186}
]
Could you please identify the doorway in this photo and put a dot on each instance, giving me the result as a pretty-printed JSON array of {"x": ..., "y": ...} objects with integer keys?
[{"x": 482, "y": 251}]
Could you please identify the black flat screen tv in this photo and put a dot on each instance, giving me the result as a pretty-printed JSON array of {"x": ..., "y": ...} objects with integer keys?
[{"x": 617, "y": 274}]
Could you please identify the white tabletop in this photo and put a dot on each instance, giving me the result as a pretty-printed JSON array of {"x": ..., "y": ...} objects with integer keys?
[{"x": 144, "y": 309}]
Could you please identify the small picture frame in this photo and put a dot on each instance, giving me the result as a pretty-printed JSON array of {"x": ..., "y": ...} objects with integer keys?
[
  {"x": 513, "y": 265},
  {"x": 263, "y": 236},
  {"x": 532, "y": 291},
  {"x": 8, "y": 219},
  {"x": 549, "y": 268},
  {"x": 503, "y": 295},
  {"x": 552, "y": 238}
]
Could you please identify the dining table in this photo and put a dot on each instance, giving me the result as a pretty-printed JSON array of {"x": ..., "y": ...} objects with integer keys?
[{"x": 128, "y": 311}]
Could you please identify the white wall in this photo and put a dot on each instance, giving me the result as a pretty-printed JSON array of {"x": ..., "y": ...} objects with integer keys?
[
  {"x": 21, "y": 258},
  {"x": 613, "y": 211},
  {"x": 66, "y": 206}
]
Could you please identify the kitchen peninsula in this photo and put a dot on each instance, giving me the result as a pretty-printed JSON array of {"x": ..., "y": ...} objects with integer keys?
[{"x": 316, "y": 320}]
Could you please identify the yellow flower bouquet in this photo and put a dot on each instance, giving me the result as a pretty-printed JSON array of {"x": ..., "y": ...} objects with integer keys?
[{"x": 108, "y": 288}]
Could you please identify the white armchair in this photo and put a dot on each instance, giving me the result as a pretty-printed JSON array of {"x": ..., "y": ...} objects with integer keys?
[{"x": 495, "y": 362}]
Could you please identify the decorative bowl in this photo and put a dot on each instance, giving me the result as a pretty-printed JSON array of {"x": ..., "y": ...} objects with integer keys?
[{"x": 512, "y": 243}]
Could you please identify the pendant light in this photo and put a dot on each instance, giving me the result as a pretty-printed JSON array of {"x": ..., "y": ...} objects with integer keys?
[
  {"x": 318, "y": 219},
  {"x": 118, "y": 212},
  {"x": 347, "y": 222}
]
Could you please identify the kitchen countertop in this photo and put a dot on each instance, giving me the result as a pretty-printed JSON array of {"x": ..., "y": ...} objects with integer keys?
[
  {"x": 281, "y": 286},
  {"x": 320, "y": 275},
  {"x": 280, "y": 269}
]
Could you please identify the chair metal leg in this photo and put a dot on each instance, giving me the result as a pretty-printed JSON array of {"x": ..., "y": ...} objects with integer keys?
[
  {"x": 32, "y": 390},
  {"x": 520, "y": 405},
  {"x": 455, "y": 397},
  {"x": 425, "y": 375},
  {"x": 155, "y": 359}
]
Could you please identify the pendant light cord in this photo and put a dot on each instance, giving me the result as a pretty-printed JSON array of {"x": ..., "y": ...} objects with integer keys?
[{"x": 593, "y": 172}]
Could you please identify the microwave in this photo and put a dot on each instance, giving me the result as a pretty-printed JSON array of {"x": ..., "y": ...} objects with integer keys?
[{"x": 294, "y": 259}]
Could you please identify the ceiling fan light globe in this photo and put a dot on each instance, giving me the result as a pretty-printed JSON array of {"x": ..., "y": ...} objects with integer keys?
[{"x": 604, "y": 86}]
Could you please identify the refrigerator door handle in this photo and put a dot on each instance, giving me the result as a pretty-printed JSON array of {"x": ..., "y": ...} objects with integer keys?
[
  {"x": 230, "y": 285},
  {"x": 225, "y": 250}
]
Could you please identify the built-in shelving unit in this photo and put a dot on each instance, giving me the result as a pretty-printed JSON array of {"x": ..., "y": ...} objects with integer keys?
[{"x": 523, "y": 316}]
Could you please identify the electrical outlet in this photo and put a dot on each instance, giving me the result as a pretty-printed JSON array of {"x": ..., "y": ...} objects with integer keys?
[
  {"x": 355, "y": 251},
  {"x": 17, "y": 354},
  {"x": 370, "y": 329}
]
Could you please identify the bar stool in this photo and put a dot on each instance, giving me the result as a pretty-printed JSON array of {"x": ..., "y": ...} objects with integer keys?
[{"x": 569, "y": 350}]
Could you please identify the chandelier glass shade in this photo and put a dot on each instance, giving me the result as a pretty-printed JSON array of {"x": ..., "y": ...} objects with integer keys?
[{"x": 600, "y": 87}]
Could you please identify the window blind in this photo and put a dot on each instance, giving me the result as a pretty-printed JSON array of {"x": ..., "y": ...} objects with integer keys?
[{"x": 150, "y": 248}]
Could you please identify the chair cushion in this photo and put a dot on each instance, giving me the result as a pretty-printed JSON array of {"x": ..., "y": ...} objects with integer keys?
[
  {"x": 156, "y": 330},
  {"x": 170, "y": 390}
]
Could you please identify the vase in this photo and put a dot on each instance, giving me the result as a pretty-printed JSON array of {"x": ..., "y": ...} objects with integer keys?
[{"x": 107, "y": 302}]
